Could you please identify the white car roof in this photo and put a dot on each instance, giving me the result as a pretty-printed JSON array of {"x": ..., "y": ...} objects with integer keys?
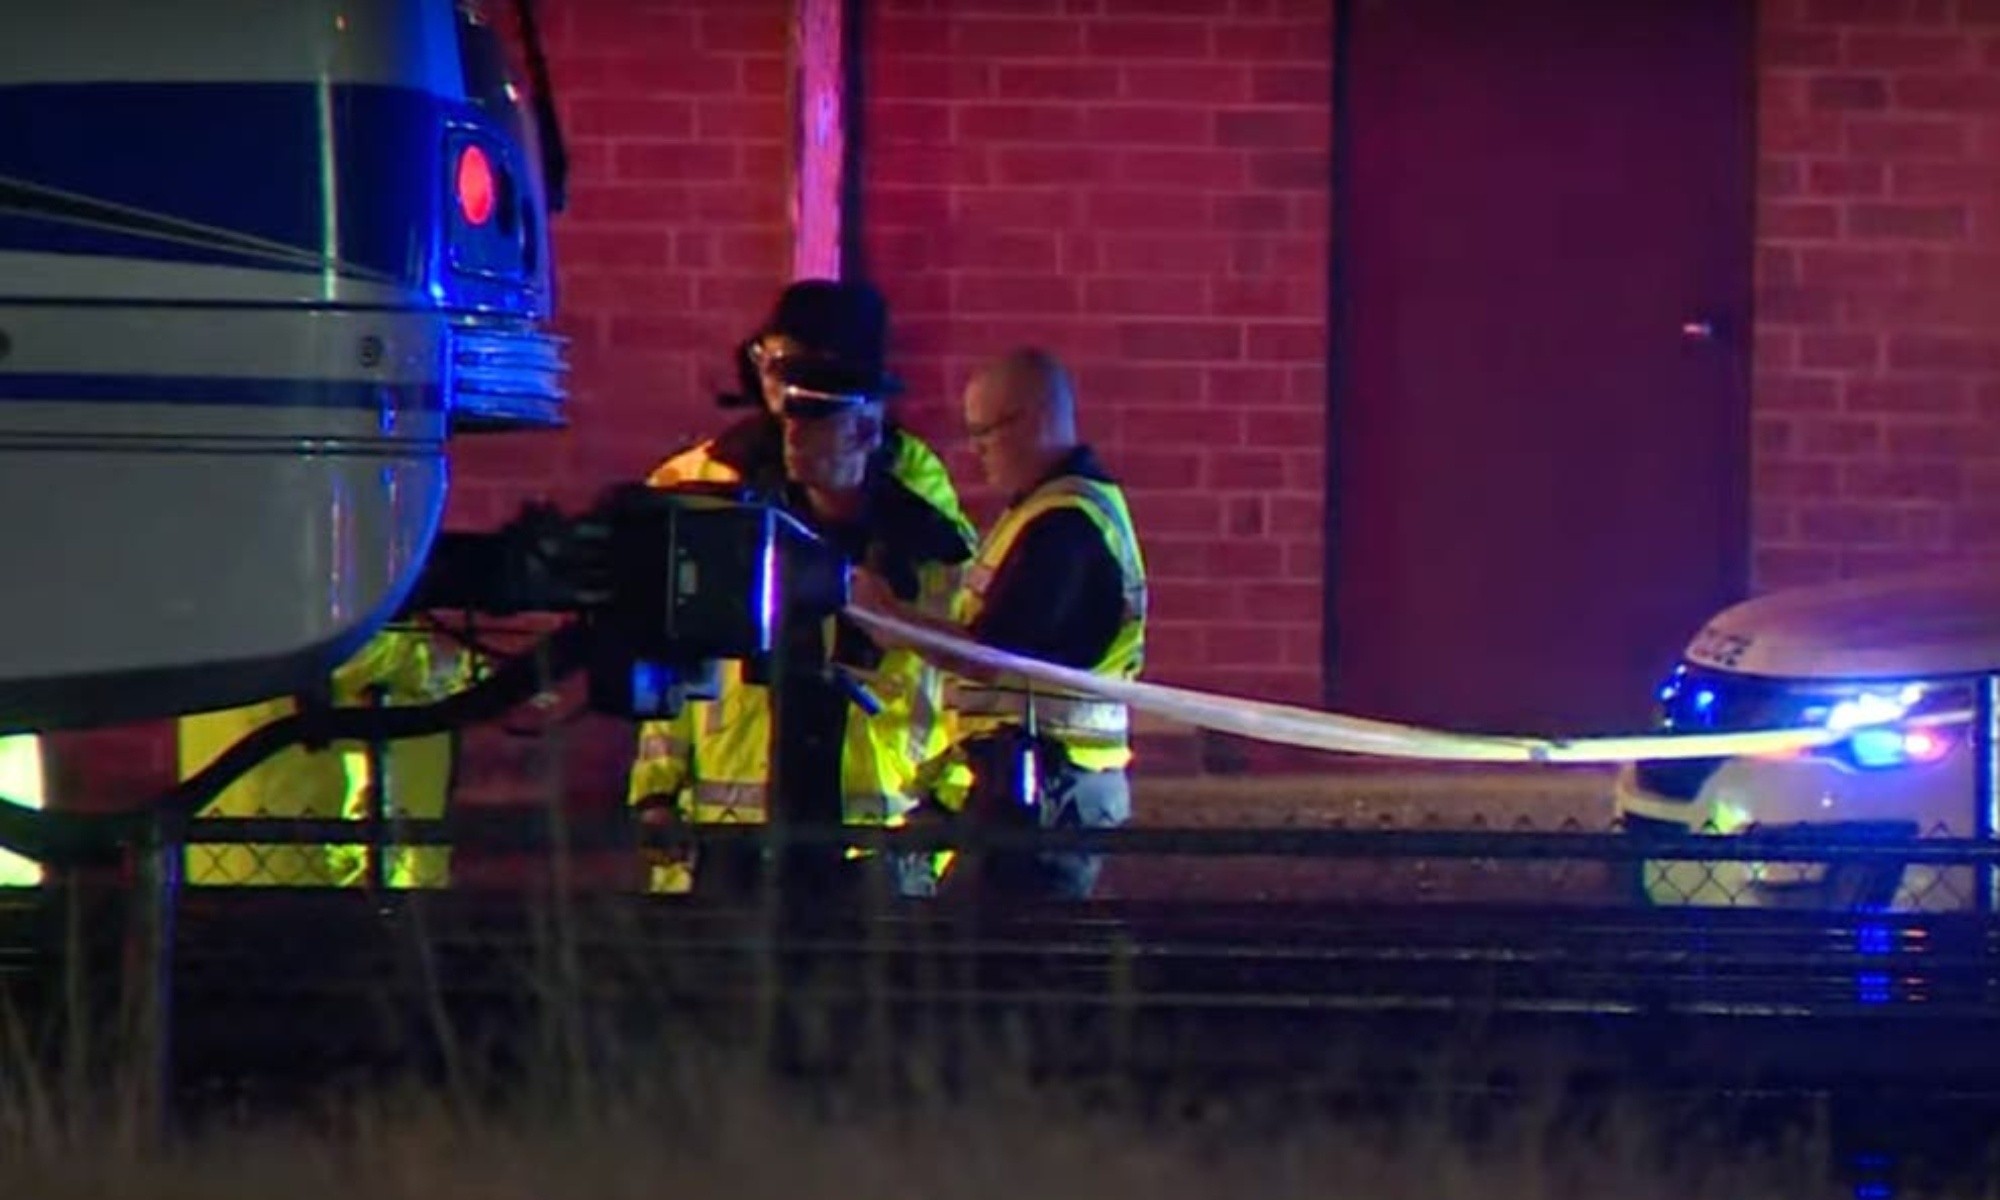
[{"x": 1944, "y": 621}]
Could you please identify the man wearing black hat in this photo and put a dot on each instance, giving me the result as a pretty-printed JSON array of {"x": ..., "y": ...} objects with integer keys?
[{"x": 822, "y": 445}]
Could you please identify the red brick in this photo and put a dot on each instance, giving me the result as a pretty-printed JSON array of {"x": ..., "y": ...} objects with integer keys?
[
  {"x": 1004, "y": 122},
  {"x": 1938, "y": 439},
  {"x": 1147, "y": 39},
  {"x": 1900, "y": 481},
  {"x": 893, "y": 205},
  {"x": 1034, "y": 294},
  {"x": 1797, "y": 480},
  {"x": 1262, "y": 297},
  {"x": 1143, "y": 125},
  {"x": 742, "y": 31},
  {"x": 1262, "y": 470},
  {"x": 1292, "y": 85},
  {"x": 1283, "y": 427},
  {"x": 1784, "y": 567},
  {"x": 933, "y": 79},
  {"x": 1291, "y": 342},
  {"x": 941, "y": 166},
  {"x": 1873, "y": 12},
  {"x": 1841, "y": 93},
  {"x": 673, "y": 160},
  {"x": 1043, "y": 81},
  {"x": 1905, "y": 137},
  {"x": 1187, "y": 83},
  {"x": 1159, "y": 254},
  {"x": 1945, "y": 180},
  {"x": 1799, "y": 48},
  {"x": 1798, "y": 220},
  {"x": 1839, "y": 351},
  {"x": 1310, "y": 42},
  {"x": 1917, "y": 351},
  {"x": 1961, "y": 93},
  {"x": 1161, "y": 468},
  {"x": 1272, "y": 129},
  {"x": 1158, "y": 8},
  {"x": 1797, "y": 305},
  {"x": 1016, "y": 38},
  {"x": 1813, "y": 133},
  {"x": 1254, "y": 212},
  {"x": 737, "y": 120},
  {"x": 622, "y": 116},
  {"x": 1840, "y": 266},
  {"x": 1144, "y": 296},
  {"x": 1003, "y": 208},
  {"x": 1277, "y": 171},
  {"x": 1897, "y": 49},
  {"x": 1191, "y": 169},
  {"x": 1117, "y": 383},
  {"x": 579, "y": 249},
  {"x": 1001, "y": 249},
  {"x": 1838, "y": 437},
  {"x": 920, "y": 122},
  {"x": 1848, "y": 524},
  {"x": 1776, "y": 267},
  {"x": 1773, "y": 435},
  {"x": 1771, "y": 522},
  {"x": 1237, "y": 559},
  {"x": 893, "y": 38},
  {"x": 752, "y": 249},
  {"x": 603, "y": 205},
  {"x": 1146, "y": 210},
  {"x": 1796, "y": 392},
  {"x": 1774, "y": 350},
  {"x": 673, "y": 75},
  {"x": 1192, "y": 341},
  {"x": 656, "y": 333},
  {"x": 1838, "y": 177},
  {"x": 1176, "y": 513},
  {"x": 1780, "y": 178},
  {"x": 1905, "y": 394}
]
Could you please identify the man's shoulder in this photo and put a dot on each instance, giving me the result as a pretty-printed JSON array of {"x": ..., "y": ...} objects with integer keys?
[{"x": 736, "y": 451}]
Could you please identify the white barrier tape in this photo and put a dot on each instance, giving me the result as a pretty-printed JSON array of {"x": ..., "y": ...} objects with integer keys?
[{"x": 1311, "y": 729}]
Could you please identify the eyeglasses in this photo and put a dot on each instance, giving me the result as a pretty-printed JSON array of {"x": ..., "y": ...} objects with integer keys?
[{"x": 988, "y": 429}]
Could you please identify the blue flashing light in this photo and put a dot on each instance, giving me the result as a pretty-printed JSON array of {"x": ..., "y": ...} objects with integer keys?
[
  {"x": 1872, "y": 987},
  {"x": 1876, "y": 939},
  {"x": 1704, "y": 699}
]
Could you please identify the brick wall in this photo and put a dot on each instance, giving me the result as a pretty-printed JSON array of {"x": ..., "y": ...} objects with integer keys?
[
  {"x": 1141, "y": 186},
  {"x": 1877, "y": 418}
]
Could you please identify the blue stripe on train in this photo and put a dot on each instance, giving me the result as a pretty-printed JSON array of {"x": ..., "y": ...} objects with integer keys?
[
  {"x": 241, "y": 157},
  {"x": 219, "y": 389}
]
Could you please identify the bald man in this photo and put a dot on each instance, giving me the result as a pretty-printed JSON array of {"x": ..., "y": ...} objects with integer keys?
[{"x": 1060, "y": 578}]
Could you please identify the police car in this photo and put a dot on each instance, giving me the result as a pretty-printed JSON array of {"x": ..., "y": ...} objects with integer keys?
[{"x": 1898, "y": 659}]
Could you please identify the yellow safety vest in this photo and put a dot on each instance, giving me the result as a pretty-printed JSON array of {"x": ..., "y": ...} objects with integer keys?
[
  {"x": 334, "y": 782},
  {"x": 713, "y": 758},
  {"x": 1094, "y": 732},
  {"x": 22, "y": 780},
  {"x": 912, "y": 463}
]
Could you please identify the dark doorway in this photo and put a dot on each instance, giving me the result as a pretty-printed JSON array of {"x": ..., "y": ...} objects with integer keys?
[{"x": 1540, "y": 424}]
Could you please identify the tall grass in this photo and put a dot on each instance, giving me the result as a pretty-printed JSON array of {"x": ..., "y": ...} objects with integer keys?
[{"x": 596, "y": 1112}]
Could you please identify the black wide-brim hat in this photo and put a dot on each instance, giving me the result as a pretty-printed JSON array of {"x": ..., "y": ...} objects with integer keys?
[{"x": 842, "y": 331}]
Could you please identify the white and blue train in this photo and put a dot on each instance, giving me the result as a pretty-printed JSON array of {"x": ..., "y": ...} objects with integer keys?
[{"x": 259, "y": 260}]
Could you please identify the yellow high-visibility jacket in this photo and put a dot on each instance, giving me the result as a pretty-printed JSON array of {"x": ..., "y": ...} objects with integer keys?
[
  {"x": 334, "y": 782},
  {"x": 1093, "y": 732},
  {"x": 713, "y": 759}
]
